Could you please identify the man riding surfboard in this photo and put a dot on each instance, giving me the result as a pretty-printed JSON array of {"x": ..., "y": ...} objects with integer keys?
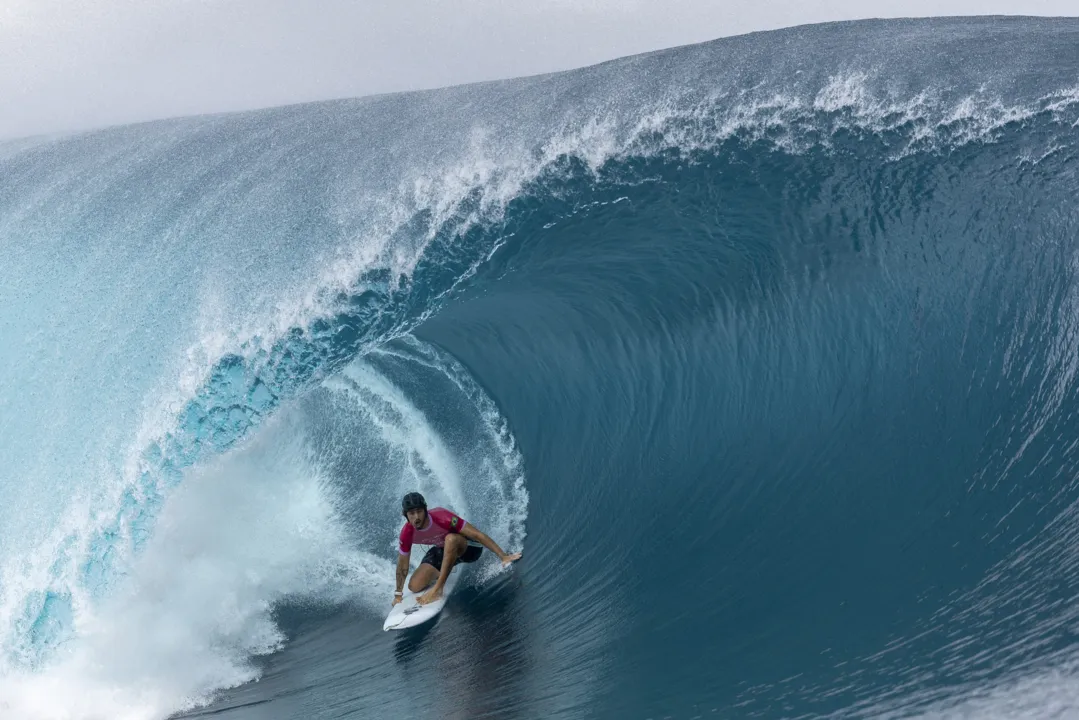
[{"x": 449, "y": 537}]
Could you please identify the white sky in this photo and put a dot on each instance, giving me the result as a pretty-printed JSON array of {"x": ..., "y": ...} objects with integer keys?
[{"x": 73, "y": 64}]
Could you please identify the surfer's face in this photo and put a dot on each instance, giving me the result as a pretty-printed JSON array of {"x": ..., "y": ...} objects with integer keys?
[{"x": 417, "y": 516}]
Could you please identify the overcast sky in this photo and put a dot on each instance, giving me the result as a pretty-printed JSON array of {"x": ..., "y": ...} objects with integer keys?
[{"x": 73, "y": 64}]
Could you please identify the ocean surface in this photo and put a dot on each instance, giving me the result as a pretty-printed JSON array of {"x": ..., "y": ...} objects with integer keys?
[{"x": 764, "y": 352}]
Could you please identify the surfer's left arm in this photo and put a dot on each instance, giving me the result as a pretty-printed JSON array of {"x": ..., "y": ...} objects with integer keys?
[{"x": 479, "y": 536}]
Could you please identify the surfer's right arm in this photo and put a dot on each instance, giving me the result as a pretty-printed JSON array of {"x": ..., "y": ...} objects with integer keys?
[
  {"x": 404, "y": 552},
  {"x": 402, "y": 573}
]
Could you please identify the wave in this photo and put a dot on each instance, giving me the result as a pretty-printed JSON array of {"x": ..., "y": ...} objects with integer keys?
[{"x": 784, "y": 316}]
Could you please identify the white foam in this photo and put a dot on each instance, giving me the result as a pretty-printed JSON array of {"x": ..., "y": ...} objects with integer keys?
[
  {"x": 429, "y": 466},
  {"x": 847, "y": 91},
  {"x": 251, "y": 529}
]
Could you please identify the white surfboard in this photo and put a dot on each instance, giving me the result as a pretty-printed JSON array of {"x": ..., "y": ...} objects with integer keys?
[{"x": 409, "y": 613}]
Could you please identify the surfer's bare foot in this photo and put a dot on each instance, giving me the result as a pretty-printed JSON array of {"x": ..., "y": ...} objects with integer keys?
[
  {"x": 430, "y": 596},
  {"x": 508, "y": 558}
]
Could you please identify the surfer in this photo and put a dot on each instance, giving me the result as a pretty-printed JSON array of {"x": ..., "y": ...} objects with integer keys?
[{"x": 448, "y": 535}]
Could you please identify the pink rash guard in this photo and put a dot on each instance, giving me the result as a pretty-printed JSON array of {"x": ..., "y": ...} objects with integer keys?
[{"x": 440, "y": 523}]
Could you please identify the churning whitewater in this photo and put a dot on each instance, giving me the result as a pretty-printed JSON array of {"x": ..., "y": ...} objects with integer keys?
[{"x": 762, "y": 351}]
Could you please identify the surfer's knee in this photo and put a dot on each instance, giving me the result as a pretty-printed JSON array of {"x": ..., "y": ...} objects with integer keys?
[
  {"x": 424, "y": 576},
  {"x": 457, "y": 542}
]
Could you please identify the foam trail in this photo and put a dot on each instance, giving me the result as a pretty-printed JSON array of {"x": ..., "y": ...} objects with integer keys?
[{"x": 238, "y": 536}]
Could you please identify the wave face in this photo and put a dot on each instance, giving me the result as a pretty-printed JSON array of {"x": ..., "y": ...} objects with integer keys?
[{"x": 764, "y": 352}]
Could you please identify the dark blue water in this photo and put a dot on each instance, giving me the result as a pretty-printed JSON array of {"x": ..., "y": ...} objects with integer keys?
[{"x": 762, "y": 351}]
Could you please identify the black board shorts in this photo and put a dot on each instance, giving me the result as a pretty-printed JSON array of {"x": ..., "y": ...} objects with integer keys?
[{"x": 434, "y": 556}]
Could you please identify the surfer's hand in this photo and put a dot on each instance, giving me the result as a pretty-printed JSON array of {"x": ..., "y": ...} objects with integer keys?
[
  {"x": 507, "y": 558},
  {"x": 396, "y": 599}
]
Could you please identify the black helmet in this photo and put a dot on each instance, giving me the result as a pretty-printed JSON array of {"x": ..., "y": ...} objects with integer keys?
[{"x": 412, "y": 501}]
